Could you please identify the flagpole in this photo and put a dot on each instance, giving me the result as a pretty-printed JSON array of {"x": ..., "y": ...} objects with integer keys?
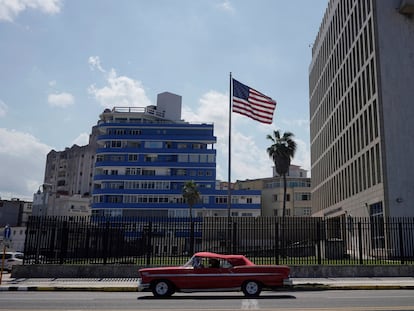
[
  {"x": 229, "y": 156},
  {"x": 229, "y": 166}
]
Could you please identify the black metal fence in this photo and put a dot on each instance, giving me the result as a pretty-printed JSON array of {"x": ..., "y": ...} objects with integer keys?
[{"x": 265, "y": 240}]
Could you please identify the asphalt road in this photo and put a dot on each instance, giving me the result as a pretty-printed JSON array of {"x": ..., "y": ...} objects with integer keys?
[{"x": 347, "y": 300}]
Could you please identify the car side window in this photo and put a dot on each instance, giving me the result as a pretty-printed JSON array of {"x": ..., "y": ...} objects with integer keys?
[
  {"x": 225, "y": 264},
  {"x": 213, "y": 263}
]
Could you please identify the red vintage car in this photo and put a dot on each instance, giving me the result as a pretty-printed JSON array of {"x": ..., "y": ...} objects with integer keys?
[{"x": 207, "y": 271}]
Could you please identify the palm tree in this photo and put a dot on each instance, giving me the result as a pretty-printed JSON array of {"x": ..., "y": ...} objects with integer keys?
[
  {"x": 191, "y": 195},
  {"x": 282, "y": 151}
]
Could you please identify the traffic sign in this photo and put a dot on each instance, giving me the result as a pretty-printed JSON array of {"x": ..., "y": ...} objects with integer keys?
[{"x": 7, "y": 233}]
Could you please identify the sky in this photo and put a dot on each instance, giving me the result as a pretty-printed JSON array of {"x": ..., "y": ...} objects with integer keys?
[{"x": 63, "y": 62}]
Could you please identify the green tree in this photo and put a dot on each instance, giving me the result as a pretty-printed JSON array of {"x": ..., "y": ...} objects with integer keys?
[{"x": 282, "y": 151}]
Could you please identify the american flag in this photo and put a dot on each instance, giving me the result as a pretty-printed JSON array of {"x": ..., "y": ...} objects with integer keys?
[{"x": 252, "y": 103}]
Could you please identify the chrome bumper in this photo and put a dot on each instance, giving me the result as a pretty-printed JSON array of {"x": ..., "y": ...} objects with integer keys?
[
  {"x": 287, "y": 282},
  {"x": 142, "y": 286}
]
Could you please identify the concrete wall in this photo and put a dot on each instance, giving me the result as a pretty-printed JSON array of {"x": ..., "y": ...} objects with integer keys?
[
  {"x": 395, "y": 50},
  {"x": 131, "y": 271}
]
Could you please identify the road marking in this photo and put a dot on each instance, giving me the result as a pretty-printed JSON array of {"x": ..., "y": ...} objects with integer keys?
[{"x": 390, "y": 308}]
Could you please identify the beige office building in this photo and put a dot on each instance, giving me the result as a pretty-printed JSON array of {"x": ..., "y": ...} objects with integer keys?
[
  {"x": 362, "y": 109},
  {"x": 298, "y": 193}
]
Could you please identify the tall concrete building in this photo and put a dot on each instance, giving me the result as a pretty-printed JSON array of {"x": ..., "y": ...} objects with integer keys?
[
  {"x": 68, "y": 181},
  {"x": 362, "y": 109},
  {"x": 70, "y": 172}
]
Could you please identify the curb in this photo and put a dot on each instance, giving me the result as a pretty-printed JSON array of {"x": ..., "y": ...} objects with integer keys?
[
  {"x": 18, "y": 288},
  {"x": 67, "y": 289},
  {"x": 320, "y": 287},
  {"x": 299, "y": 287},
  {"x": 371, "y": 287}
]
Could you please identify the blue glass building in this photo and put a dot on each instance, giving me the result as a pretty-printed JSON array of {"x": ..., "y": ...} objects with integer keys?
[{"x": 144, "y": 157}]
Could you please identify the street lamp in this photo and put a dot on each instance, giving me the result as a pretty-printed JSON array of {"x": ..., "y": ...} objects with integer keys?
[{"x": 42, "y": 209}]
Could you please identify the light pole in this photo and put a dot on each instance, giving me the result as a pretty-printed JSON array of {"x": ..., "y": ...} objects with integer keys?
[
  {"x": 41, "y": 199},
  {"x": 43, "y": 211}
]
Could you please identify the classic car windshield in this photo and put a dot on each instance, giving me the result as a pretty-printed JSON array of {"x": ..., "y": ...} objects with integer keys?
[
  {"x": 189, "y": 263},
  {"x": 195, "y": 262}
]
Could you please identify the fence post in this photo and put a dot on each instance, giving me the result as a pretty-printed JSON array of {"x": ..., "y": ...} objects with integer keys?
[
  {"x": 228, "y": 235},
  {"x": 63, "y": 243},
  {"x": 148, "y": 249},
  {"x": 400, "y": 233},
  {"x": 277, "y": 241},
  {"x": 361, "y": 261},
  {"x": 319, "y": 237},
  {"x": 87, "y": 244},
  {"x": 51, "y": 250},
  {"x": 39, "y": 235},
  {"x": 28, "y": 237},
  {"x": 191, "y": 236},
  {"x": 234, "y": 237},
  {"x": 105, "y": 243}
]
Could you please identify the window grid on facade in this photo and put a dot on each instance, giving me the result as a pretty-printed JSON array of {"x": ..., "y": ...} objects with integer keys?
[{"x": 344, "y": 114}]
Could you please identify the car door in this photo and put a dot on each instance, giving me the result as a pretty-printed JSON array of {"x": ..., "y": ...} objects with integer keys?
[{"x": 210, "y": 278}]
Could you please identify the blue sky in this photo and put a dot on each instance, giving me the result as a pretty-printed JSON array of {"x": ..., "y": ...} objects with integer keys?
[{"x": 63, "y": 62}]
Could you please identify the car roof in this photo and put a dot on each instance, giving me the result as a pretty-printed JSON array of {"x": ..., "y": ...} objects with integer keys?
[{"x": 235, "y": 260}]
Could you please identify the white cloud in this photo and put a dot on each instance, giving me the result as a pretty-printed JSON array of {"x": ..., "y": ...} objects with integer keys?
[
  {"x": 61, "y": 100},
  {"x": 248, "y": 159},
  {"x": 81, "y": 140},
  {"x": 25, "y": 157},
  {"x": 121, "y": 91},
  {"x": 95, "y": 63},
  {"x": 3, "y": 109},
  {"x": 208, "y": 110},
  {"x": 9, "y": 9},
  {"x": 304, "y": 124},
  {"x": 302, "y": 155},
  {"x": 226, "y": 6}
]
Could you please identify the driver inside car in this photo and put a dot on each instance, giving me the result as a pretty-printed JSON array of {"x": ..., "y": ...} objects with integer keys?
[{"x": 197, "y": 262}]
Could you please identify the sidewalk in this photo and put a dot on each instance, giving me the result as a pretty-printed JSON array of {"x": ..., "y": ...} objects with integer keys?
[
  {"x": 130, "y": 284},
  {"x": 68, "y": 284},
  {"x": 354, "y": 283}
]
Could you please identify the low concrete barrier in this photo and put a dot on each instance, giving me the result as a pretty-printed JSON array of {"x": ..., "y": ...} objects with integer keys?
[
  {"x": 131, "y": 271},
  {"x": 315, "y": 271},
  {"x": 75, "y": 271}
]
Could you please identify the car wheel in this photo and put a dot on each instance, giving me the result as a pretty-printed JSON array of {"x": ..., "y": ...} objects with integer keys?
[
  {"x": 162, "y": 288},
  {"x": 251, "y": 288}
]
